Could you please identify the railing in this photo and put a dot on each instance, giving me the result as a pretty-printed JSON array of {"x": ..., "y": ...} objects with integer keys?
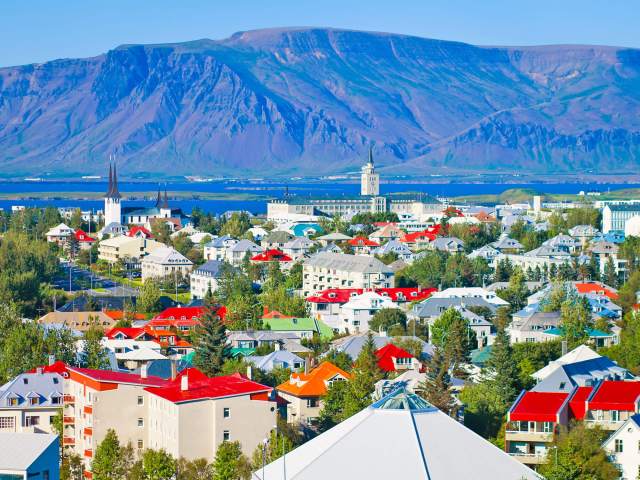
[
  {"x": 88, "y": 409},
  {"x": 68, "y": 441},
  {"x": 68, "y": 399},
  {"x": 523, "y": 435},
  {"x": 529, "y": 458},
  {"x": 88, "y": 453},
  {"x": 68, "y": 420}
]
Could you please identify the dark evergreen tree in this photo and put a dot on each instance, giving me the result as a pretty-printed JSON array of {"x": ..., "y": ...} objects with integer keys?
[
  {"x": 210, "y": 344},
  {"x": 502, "y": 367},
  {"x": 437, "y": 383}
]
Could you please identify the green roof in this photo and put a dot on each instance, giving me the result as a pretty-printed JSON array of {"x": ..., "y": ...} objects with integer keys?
[
  {"x": 297, "y": 325},
  {"x": 481, "y": 356},
  {"x": 235, "y": 352}
]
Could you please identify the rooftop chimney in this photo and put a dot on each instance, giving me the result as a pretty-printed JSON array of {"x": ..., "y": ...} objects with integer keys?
[
  {"x": 184, "y": 382},
  {"x": 564, "y": 347},
  {"x": 174, "y": 370},
  {"x": 249, "y": 372},
  {"x": 52, "y": 359},
  {"x": 143, "y": 371}
]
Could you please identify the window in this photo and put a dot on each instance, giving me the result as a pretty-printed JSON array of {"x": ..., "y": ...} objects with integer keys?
[
  {"x": 312, "y": 402},
  {"x": 31, "y": 421},
  {"x": 615, "y": 416},
  {"x": 226, "y": 412},
  {"x": 618, "y": 445},
  {"x": 226, "y": 436},
  {"x": 45, "y": 475},
  {"x": 7, "y": 422},
  {"x": 12, "y": 402},
  {"x": 563, "y": 385},
  {"x": 56, "y": 400},
  {"x": 140, "y": 400},
  {"x": 55, "y": 380},
  {"x": 140, "y": 445},
  {"x": 547, "y": 427},
  {"x": 141, "y": 422}
]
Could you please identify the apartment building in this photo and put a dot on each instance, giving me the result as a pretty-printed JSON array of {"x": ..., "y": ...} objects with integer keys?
[
  {"x": 126, "y": 248},
  {"x": 204, "y": 279},
  {"x": 623, "y": 448},
  {"x": 532, "y": 424},
  {"x": 228, "y": 408},
  {"x": 30, "y": 402},
  {"x": 611, "y": 403},
  {"x": 217, "y": 248},
  {"x": 335, "y": 270},
  {"x": 304, "y": 392},
  {"x": 165, "y": 262}
]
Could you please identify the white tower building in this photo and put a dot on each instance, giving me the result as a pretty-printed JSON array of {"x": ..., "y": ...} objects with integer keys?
[
  {"x": 112, "y": 212},
  {"x": 369, "y": 180}
]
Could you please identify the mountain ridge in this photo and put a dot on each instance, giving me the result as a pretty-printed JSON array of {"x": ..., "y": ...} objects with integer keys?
[{"x": 312, "y": 101}]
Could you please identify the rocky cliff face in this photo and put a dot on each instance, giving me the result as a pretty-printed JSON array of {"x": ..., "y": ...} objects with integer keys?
[{"x": 311, "y": 101}]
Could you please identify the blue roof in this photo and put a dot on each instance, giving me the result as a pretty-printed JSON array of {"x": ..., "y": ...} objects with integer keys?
[
  {"x": 298, "y": 230},
  {"x": 210, "y": 268},
  {"x": 401, "y": 399}
]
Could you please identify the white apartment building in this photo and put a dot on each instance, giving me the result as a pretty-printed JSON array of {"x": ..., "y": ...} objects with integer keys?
[
  {"x": 126, "y": 248},
  {"x": 165, "y": 262},
  {"x": 358, "y": 311},
  {"x": 336, "y": 270},
  {"x": 205, "y": 278}
]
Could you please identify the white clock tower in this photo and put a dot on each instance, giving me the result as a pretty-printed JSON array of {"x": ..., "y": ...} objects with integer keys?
[
  {"x": 112, "y": 212},
  {"x": 369, "y": 180}
]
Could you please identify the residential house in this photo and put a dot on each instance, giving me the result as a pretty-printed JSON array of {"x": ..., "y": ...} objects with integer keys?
[
  {"x": 304, "y": 392},
  {"x": 205, "y": 279},
  {"x": 30, "y": 402},
  {"x": 623, "y": 448},
  {"x": 269, "y": 256},
  {"x": 217, "y": 248},
  {"x": 565, "y": 377},
  {"x": 359, "y": 310},
  {"x": 529, "y": 325},
  {"x": 506, "y": 244},
  {"x": 352, "y": 345},
  {"x": 447, "y": 244},
  {"x": 362, "y": 245},
  {"x": 80, "y": 321},
  {"x": 395, "y": 247},
  {"x": 611, "y": 403},
  {"x": 140, "y": 231},
  {"x": 392, "y": 358},
  {"x": 420, "y": 240},
  {"x": 85, "y": 242},
  {"x": 276, "y": 240},
  {"x": 306, "y": 229},
  {"x": 487, "y": 252},
  {"x": 252, "y": 339},
  {"x": 386, "y": 234},
  {"x": 298, "y": 248},
  {"x": 190, "y": 416},
  {"x": 431, "y": 308},
  {"x": 25, "y": 456},
  {"x": 258, "y": 233},
  {"x": 334, "y": 237},
  {"x": 236, "y": 254},
  {"x": 563, "y": 242},
  {"x": 584, "y": 233},
  {"x": 302, "y": 327},
  {"x": 59, "y": 234},
  {"x": 533, "y": 422},
  {"x": 277, "y": 359},
  {"x": 472, "y": 292},
  {"x": 332, "y": 270},
  {"x": 125, "y": 248},
  {"x": 164, "y": 263}
]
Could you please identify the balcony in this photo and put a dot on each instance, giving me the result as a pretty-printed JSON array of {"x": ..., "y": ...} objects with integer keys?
[
  {"x": 88, "y": 431},
  {"x": 521, "y": 436},
  {"x": 530, "y": 458},
  {"x": 88, "y": 409},
  {"x": 88, "y": 475},
  {"x": 68, "y": 441},
  {"x": 68, "y": 420},
  {"x": 68, "y": 399},
  {"x": 604, "y": 424},
  {"x": 88, "y": 453}
]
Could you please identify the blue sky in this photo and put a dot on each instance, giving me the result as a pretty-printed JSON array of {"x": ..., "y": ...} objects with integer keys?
[{"x": 40, "y": 30}]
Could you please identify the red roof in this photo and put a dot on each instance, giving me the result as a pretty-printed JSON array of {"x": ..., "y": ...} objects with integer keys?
[
  {"x": 57, "y": 367},
  {"x": 271, "y": 256},
  {"x": 423, "y": 235},
  {"x": 119, "y": 314},
  {"x": 109, "y": 376},
  {"x": 180, "y": 313},
  {"x": 597, "y": 288},
  {"x": 362, "y": 242},
  {"x": 342, "y": 295},
  {"x": 127, "y": 332},
  {"x": 387, "y": 354},
  {"x": 578, "y": 402},
  {"x": 202, "y": 387},
  {"x": 538, "y": 407},
  {"x": 615, "y": 395},
  {"x": 138, "y": 230},
  {"x": 82, "y": 236}
]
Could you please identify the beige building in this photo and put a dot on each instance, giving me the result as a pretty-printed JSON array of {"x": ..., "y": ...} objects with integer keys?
[
  {"x": 304, "y": 392},
  {"x": 336, "y": 270},
  {"x": 165, "y": 262},
  {"x": 229, "y": 408},
  {"x": 126, "y": 248},
  {"x": 80, "y": 321}
]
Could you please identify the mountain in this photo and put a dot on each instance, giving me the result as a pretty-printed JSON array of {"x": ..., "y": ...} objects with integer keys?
[{"x": 312, "y": 101}]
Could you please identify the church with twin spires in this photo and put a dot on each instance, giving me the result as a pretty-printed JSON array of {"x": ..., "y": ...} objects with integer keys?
[
  {"x": 298, "y": 207},
  {"x": 116, "y": 216}
]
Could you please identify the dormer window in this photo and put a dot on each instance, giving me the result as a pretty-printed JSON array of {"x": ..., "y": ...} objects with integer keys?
[
  {"x": 34, "y": 401},
  {"x": 12, "y": 401}
]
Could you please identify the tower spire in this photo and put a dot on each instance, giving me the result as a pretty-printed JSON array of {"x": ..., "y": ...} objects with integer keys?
[
  {"x": 371, "y": 155},
  {"x": 165, "y": 203},
  {"x": 110, "y": 187},
  {"x": 159, "y": 199}
]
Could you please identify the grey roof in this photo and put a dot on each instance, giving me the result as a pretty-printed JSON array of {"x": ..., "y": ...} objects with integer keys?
[
  {"x": 495, "y": 286},
  {"x": 279, "y": 358},
  {"x": 582, "y": 374},
  {"x": 445, "y": 243},
  {"x": 221, "y": 242},
  {"x": 20, "y": 450},
  {"x": 299, "y": 243},
  {"x": 210, "y": 269},
  {"x": 277, "y": 236},
  {"x": 351, "y": 263},
  {"x": 393, "y": 246},
  {"x": 562, "y": 240},
  {"x": 433, "y": 307},
  {"x": 334, "y": 237},
  {"x": 245, "y": 245},
  {"x": 507, "y": 243},
  {"x": 604, "y": 248},
  {"x": 583, "y": 231},
  {"x": 44, "y": 386},
  {"x": 352, "y": 345},
  {"x": 548, "y": 251},
  {"x": 330, "y": 247},
  {"x": 486, "y": 251},
  {"x": 624, "y": 207}
]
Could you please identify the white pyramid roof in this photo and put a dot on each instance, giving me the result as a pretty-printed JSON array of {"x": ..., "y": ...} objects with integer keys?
[
  {"x": 401, "y": 436},
  {"x": 578, "y": 354}
]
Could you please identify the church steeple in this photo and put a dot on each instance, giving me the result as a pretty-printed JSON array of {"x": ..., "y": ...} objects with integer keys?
[
  {"x": 159, "y": 198},
  {"x": 165, "y": 202},
  {"x": 369, "y": 179},
  {"x": 112, "y": 191},
  {"x": 371, "y": 155}
]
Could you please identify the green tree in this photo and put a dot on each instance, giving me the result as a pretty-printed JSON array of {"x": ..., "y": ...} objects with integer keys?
[
  {"x": 230, "y": 463},
  {"x": 504, "y": 371},
  {"x": 451, "y": 332},
  {"x": 437, "y": 384},
  {"x": 94, "y": 354},
  {"x": 339, "y": 359},
  {"x": 158, "y": 465},
  {"x": 107, "y": 461},
  {"x": 483, "y": 409},
  {"x": 198, "y": 469},
  {"x": 517, "y": 292},
  {"x": 76, "y": 221},
  {"x": 578, "y": 454},
  {"x": 237, "y": 225},
  {"x": 333, "y": 407},
  {"x": 210, "y": 344},
  {"x": 389, "y": 319},
  {"x": 149, "y": 297},
  {"x": 576, "y": 322},
  {"x": 71, "y": 467},
  {"x": 610, "y": 276},
  {"x": 364, "y": 376}
]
